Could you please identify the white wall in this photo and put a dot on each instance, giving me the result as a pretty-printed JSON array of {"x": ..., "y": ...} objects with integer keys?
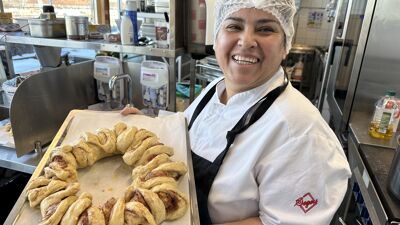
[{"x": 307, "y": 35}]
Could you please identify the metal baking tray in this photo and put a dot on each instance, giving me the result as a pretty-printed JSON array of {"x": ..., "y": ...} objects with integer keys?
[{"x": 116, "y": 170}]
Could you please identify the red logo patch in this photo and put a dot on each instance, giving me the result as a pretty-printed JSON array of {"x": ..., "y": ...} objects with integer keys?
[{"x": 306, "y": 202}]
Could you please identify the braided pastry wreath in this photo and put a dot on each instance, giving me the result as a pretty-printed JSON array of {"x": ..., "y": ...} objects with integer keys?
[{"x": 152, "y": 197}]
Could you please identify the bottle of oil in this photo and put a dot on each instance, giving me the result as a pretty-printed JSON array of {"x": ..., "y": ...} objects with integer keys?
[{"x": 382, "y": 122}]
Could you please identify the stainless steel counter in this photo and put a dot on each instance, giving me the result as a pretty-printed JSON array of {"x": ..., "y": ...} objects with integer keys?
[
  {"x": 359, "y": 124},
  {"x": 370, "y": 160},
  {"x": 27, "y": 163}
]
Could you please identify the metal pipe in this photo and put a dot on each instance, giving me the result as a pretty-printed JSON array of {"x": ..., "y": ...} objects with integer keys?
[{"x": 127, "y": 77}]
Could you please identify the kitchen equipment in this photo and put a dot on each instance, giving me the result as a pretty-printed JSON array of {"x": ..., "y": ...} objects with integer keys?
[
  {"x": 23, "y": 24},
  {"x": 77, "y": 27},
  {"x": 48, "y": 56},
  {"x": 48, "y": 12},
  {"x": 47, "y": 28},
  {"x": 154, "y": 80},
  {"x": 394, "y": 173},
  {"x": 105, "y": 67}
]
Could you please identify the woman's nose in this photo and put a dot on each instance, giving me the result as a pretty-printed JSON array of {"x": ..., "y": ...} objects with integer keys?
[{"x": 247, "y": 39}]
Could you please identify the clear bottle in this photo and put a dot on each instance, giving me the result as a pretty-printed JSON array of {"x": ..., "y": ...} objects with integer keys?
[{"x": 381, "y": 125}]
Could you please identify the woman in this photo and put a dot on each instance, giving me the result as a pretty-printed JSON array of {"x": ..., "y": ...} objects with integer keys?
[{"x": 262, "y": 154}]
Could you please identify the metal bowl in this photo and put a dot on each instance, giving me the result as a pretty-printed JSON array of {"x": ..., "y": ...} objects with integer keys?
[{"x": 47, "y": 28}]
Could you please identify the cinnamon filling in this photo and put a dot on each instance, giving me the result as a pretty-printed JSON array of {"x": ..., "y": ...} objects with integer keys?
[
  {"x": 84, "y": 219},
  {"x": 50, "y": 211},
  {"x": 107, "y": 207},
  {"x": 60, "y": 161},
  {"x": 138, "y": 197},
  {"x": 170, "y": 203}
]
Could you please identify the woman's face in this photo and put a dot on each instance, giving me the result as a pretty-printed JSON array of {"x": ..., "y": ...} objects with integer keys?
[{"x": 249, "y": 48}]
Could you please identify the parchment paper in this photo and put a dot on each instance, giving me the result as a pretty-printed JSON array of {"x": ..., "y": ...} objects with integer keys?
[{"x": 110, "y": 177}]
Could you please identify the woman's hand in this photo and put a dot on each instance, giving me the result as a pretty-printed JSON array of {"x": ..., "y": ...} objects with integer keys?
[{"x": 131, "y": 110}]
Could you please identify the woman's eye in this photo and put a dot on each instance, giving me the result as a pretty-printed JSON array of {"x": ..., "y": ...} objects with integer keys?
[
  {"x": 265, "y": 29},
  {"x": 232, "y": 28}
]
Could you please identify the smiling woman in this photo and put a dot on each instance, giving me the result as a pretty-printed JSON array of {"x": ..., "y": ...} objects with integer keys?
[
  {"x": 262, "y": 154},
  {"x": 249, "y": 49}
]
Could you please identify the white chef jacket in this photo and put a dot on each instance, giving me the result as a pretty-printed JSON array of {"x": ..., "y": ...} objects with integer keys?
[{"x": 287, "y": 168}]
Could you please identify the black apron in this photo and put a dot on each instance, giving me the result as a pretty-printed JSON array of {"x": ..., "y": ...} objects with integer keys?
[{"x": 206, "y": 171}]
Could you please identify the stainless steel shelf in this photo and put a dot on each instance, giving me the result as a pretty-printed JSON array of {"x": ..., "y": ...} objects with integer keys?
[{"x": 99, "y": 45}]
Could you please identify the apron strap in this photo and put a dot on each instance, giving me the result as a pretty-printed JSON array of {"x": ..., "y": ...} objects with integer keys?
[{"x": 202, "y": 104}]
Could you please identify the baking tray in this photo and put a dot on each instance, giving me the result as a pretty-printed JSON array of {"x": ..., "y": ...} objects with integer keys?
[{"x": 106, "y": 173}]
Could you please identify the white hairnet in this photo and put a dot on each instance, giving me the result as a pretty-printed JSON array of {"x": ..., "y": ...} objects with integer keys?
[{"x": 283, "y": 10}]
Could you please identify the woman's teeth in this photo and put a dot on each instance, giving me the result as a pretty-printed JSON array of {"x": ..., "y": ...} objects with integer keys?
[{"x": 244, "y": 60}]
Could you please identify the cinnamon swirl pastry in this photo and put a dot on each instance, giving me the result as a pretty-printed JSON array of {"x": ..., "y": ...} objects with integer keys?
[
  {"x": 149, "y": 199},
  {"x": 137, "y": 214},
  {"x": 92, "y": 216},
  {"x": 57, "y": 197},
  {"x": 37, "y": 182},
  {"x": 125, "y": 139},
  {"x": 144, "y": 169},
  {"x": 36, "y": 195},
  {"x": 119, "y": 128},
  {"x": 107, "y": 139},
  {"x": 73, "y": 213},
  {"x": 140, "y": 136},
  {"x": 152, "y": 152},
  {"x": 175, "y": 202},
  {"x": 55, "y": 212},
  {"x": 107, "y": 208},
  {"x": 133, "y": 155},
  {"x": 117, "y": 213}
]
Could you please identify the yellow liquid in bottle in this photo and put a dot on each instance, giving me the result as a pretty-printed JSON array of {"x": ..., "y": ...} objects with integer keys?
[{"x": 375, "y": 130}]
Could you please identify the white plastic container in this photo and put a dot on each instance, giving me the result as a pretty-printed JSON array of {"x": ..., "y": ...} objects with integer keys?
[
  {"x": 154, "y": 80},
  {"x": 104, "y": 68},
  {"x": 129, "y": 29}
]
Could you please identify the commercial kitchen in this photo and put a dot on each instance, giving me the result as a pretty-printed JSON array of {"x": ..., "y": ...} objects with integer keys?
[{"x": 67, "y": 66}]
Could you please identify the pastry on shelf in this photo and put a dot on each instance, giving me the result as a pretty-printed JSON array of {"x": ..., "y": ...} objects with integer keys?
[
  {"x": 73, "y": 213},
  {"x": 175, "y": 202}
]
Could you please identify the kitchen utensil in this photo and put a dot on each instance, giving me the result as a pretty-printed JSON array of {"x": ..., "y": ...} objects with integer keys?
[
  {"x": 47, "y": 28},
  {"x": 77, "y": 27}
]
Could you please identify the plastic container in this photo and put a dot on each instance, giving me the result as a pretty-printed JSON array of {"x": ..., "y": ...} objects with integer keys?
[
  {"x": 129, "y": 28},
  {"x": 154, "y": 80},
  {"x": 381, "y": 125},
  {"x": 104, "y": 68}
]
